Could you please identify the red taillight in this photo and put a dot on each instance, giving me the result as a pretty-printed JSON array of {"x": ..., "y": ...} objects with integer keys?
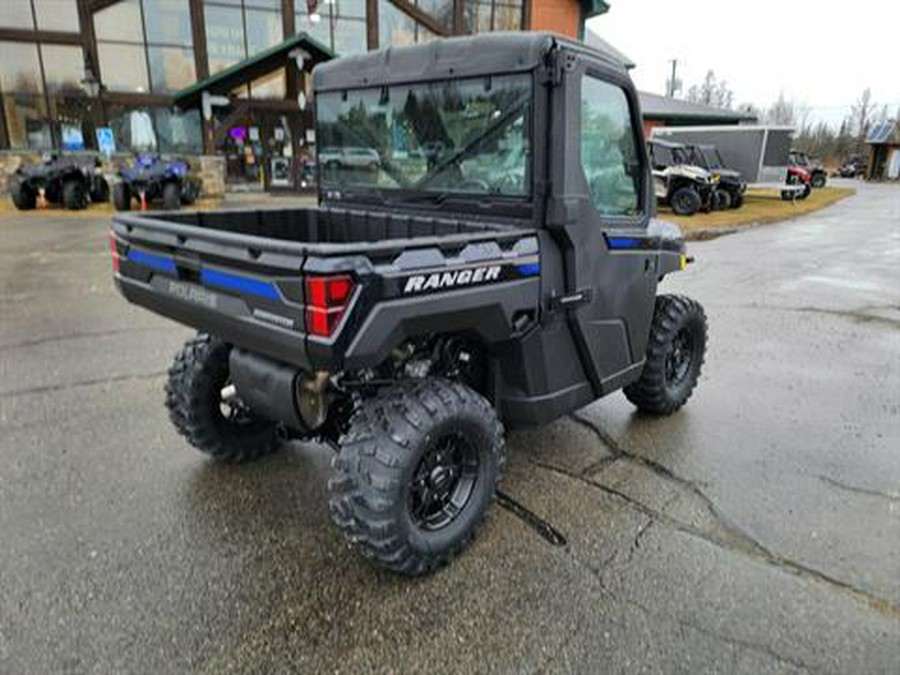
[
  {"x": 326, "y": 300},
  {"x": 114, "y": 252}
]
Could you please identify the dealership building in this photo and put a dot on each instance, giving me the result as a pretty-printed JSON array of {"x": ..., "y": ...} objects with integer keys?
[{"x": 224, "y": 80}]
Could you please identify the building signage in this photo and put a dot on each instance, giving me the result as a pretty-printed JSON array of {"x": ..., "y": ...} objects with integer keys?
[{"x": 106, "y": 141}]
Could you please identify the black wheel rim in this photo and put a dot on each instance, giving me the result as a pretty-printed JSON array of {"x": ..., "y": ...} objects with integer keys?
[
  {"x": 443, "y": 482},
  {"x": 679, "y": 357}
]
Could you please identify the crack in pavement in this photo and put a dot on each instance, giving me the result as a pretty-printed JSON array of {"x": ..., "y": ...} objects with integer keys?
[
  {"x": 893, "y": 498},
  {"x": 83, "y": 383},
  {"x": 531, "y": 519},
  {"x": 729, "y": 537},
  {"x": 598, "y": 574}
]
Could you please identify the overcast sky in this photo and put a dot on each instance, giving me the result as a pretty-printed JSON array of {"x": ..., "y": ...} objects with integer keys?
[{"x": 821, "y": 53}]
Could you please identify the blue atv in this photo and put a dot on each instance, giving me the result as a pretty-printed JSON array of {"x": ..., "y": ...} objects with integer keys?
[
  {"x": 152, "y": 178},
  {"x": 73, "y": 182}
]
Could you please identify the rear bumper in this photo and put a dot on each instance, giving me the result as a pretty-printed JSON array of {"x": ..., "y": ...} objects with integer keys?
[{"x": 232, "y": 320}]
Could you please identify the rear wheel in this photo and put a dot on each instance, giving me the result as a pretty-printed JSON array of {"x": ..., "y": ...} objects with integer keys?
[
  {"x": 23, "y": 196},
  {"x": 685, "y": 201},
  {"x": 121, "y": 196},
  {"x": 99, "y": 190},
  {"x": 415, "y": 474},
  {"x": 675, "y": 353},
  {"x": 171, "y": 195},
  {"x": 737, "y": 200},
  {"x": 721, "y": 200},
  {"x": 205, "y": 409},
  {"x": 73, "y": 194}
]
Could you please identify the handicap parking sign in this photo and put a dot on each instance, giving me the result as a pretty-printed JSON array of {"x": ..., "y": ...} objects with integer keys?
[{"x": 106, "y": 141}]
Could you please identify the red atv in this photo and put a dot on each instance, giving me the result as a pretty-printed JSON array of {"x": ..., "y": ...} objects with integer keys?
[{"x": 797, "y": 175}]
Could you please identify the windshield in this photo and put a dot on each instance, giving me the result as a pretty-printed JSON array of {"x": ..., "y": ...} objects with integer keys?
[
  {"x": 455, "y": 136},
  {"x": 712, "y": 159}
]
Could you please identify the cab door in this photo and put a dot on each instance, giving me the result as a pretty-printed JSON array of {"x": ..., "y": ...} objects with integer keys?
[{"x": 601, "y": 219}]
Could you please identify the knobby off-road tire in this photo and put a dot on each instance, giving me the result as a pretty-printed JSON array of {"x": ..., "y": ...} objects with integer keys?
[
  {"x": 23, "y": 196},
  {"x": 121, "y": 197},
  {"x": 171, "y": 195},
  {"x": 818, "y": 180},
  {"x": 737, "y": 200},
  {"x": 73, "y": 195},
  {"x": 226, "y": 431},
  {"x": 415, "y": 473},
  {"x": 675, "y": 353},
  {"x": 685, "y": 201}
]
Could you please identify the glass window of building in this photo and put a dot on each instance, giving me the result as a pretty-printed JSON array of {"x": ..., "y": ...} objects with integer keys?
[
  {"x": 61, "y": 15},
  {"x": 396, "y": 27},
  {"x": 171, "y": 68},
  {"x": 17, "y": 14},
  {"x": 340, "y": 25},
  {"x": 484, "y": 15},
  {"x": 236, "y": 30},
  {"x": 123, "y": 67},
  {"x": 22, "y": 92},
  {"x": 145, "y": 45},
  {"x": 440, "y": 10}
]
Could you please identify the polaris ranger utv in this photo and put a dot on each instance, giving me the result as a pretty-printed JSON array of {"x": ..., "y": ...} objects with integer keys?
[
  {"x": 678, "y": 183},
  {"x": 499, "y": 268}
]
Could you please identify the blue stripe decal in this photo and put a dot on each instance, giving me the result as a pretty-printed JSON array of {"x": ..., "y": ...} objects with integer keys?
[
  {"x": 233, "y": 282},
  {"x": 529, "y": 269},
  {"x": 623, "y": 243},
  {"x": 156, "y": 262}
]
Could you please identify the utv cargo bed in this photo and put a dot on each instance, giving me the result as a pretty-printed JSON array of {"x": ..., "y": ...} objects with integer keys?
[{"x": 244, "y": 275}]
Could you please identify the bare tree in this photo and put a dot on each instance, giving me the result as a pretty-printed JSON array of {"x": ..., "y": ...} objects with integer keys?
[
  {"x": 782, "y": 112},
  {"x": 711, "y": 92}
]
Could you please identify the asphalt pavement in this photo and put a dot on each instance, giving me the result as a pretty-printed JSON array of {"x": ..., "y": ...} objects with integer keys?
[{"x": 756, "y": 531}]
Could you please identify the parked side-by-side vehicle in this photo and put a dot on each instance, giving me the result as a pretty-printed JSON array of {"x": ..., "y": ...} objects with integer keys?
[
  {"x": 499, "y": 269},
  {"x": 679, "y": 183}
]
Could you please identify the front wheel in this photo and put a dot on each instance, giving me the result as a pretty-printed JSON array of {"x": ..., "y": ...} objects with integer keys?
[
  {"x": 205, "y": 409},
  {"x": 818, "y": 180},
  {"x": 685, "y": 201},
  {"x": 23, "y": 196},
  {"x": 675, "y": 353},
  {"x": 415, "y": 474}
]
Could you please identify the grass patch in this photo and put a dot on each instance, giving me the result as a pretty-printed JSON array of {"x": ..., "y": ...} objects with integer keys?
[{"x": 760, "y": 207}]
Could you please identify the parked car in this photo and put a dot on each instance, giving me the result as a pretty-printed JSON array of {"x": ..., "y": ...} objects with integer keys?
[
  {"x": 678, "y": 184},
  {"x": 817, "y": 174},
  {"x": 406, "y": 326},
  {"x": 70, "y": 181},
  {"x": 797, "y": 176},
  {"x": 350, "y": 158},
  {"x": 731, "y": 186},
  {"x": 151, "y": 178}
]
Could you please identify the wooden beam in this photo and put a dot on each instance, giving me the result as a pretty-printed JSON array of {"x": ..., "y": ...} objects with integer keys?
[
  {"x": 459, "y": 17},
  {"x": 422, "y": 17},
  {"x": 527, "y": 13},
  {"x": 198, "y": 36},
  {"x": 24, "y": 35},
  {"x": 372, "y": 24}
]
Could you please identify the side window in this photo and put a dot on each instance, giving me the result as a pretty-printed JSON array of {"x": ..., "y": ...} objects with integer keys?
[{"x": 608, "y": 153}]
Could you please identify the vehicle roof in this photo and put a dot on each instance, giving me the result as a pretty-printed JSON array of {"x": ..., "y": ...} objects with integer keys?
[{"x": 465, "y": 56}]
